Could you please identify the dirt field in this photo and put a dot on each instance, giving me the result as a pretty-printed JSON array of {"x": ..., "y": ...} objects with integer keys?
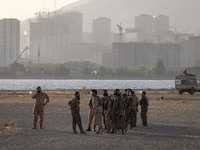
[{"x": 173, "y": 123}]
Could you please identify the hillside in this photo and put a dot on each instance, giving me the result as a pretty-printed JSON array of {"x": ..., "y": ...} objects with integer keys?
[{"x": 183, "y": 13}]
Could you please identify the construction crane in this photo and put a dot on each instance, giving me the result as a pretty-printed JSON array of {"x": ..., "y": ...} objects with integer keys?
[
  {"x": 120, "y": 28},
  {"x": 26, "y": 48}
]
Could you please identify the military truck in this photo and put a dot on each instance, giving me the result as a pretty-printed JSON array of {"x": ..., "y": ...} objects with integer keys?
[{"x": 187, "y": 83}]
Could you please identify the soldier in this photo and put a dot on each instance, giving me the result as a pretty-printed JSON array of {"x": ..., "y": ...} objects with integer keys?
[
  {"x": 118, "y": 117},
  {"x": 90, "y": 116},
  {"x": 108, "y": 111},
  {"x": 144, "y": 107},
  {"x": 125, "y": 100},
  {"x": 129, "y": 111},
  {"x": 135, "y": 108},
  {"x": 39, "y": 106},
  {"x": 75, "y": 109},
  {"x": 103, "y": 100},
  {"x": 98, "y": 110}
]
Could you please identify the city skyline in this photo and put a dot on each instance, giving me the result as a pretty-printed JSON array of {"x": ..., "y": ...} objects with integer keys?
[{"x": 23, "y": 9}]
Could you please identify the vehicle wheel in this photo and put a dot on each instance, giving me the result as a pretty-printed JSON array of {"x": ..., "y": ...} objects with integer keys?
[
  {"x": 192, "y": 91},
  {"x": 180, "y": 92}
]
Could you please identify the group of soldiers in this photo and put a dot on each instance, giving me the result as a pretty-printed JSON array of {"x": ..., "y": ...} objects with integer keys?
[{"x": 117, "y": 112}]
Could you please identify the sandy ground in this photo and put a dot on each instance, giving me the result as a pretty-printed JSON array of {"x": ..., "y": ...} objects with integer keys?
[{"x": 173, "y": 123}]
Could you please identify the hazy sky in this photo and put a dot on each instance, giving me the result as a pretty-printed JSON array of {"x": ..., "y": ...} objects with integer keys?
[{"x": 23, "y": 9}]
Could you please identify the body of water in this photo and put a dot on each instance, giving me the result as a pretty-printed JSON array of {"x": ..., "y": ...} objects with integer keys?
[{"x": 51, "y": 84}]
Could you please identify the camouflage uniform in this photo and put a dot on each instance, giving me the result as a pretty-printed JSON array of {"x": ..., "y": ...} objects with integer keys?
[
  {"x": 39, "y": 107},
  {"x": 98, "y": 110},
  {"x": 103, "y": 114},
  {"x": 126, "y": 108},
  {"x": 135, "y": 109},
  {"x": 108, "y": 113},
  {"x": 76, "y": 118},
  {"x": 129, "y": 112},
  {"x": 144, "y": 108},
  {"x": 118, "y": 120}
]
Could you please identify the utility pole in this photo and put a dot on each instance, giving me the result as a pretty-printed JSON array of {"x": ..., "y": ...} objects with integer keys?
[
  {"x": 55, "y": 7},
  {"x": 38, "y": 54}
]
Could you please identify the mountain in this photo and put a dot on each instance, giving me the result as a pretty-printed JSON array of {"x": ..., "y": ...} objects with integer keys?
[{"x": 184, "y": 14}]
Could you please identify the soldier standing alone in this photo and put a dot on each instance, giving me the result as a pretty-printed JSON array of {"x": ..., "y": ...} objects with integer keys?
[
  {"x": 75, "y": 109},
  {"x": 144, "y": 102},
  {"x": 39, "y": 106}
]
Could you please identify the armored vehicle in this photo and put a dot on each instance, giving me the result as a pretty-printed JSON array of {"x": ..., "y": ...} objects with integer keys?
[{"x": 187, "y": 83}]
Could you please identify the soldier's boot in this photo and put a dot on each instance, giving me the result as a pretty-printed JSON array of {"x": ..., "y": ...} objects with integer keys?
[
  {"x": 134, "y": 125},
  {"x": 75, "y": 132},
  {"x": 34, "y": 126},
  {"x": 112, "y": 132},
  {"x": 122, "y": 131},
  {"x": 98, "y": 131},
  {"x": 105, "y": 127},
  {"x": 101, "y": 130},
  {"x": 89, "y": 128},
  {"x": 107, "y": 131},
  {"x": 94, "y": 128},
  {"x": 81, "y": 130},
  {"x": 131, "y": 126},
  {"x": 41, "y": 127}
]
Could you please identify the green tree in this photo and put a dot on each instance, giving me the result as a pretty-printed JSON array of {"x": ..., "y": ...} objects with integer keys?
[{"x": 159, "y": 69}]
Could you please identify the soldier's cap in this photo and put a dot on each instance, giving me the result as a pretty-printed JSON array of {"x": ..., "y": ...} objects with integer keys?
[
  {"x": 94, "y": 91},
  {"x": 117, "y": 90},
  {"x": 132, "y": 92},
  {"x": 38, "y": 87},
  {"x": 105, "y": 91},
  {"x": 76, "y": 93},
  {"x": 143, "y": 92}
]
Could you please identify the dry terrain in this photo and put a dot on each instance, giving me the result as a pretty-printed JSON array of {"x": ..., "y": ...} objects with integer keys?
[{"x": 173, "y": 123}]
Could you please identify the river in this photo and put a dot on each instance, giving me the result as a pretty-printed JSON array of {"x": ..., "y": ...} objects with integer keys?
[{"x": 52, "y": 84}]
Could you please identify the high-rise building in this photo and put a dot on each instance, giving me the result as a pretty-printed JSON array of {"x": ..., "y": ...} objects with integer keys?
[
  {"x": 161, "y": 24},
  {"x": 144, "y": 23},
  {"x": 134, "y": 54},
  {"x": 102, "y": 31},
  {"x": 50, "y": 36},
  {"x": 190, "y": 54},
  {"x": 9, "y": 41}
]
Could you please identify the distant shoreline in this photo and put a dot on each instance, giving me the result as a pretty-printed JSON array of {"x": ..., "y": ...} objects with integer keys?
[{"x": 91, "y": 78}]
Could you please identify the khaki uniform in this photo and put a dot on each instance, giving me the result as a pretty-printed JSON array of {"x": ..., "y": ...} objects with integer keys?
[
  {"x": 144, "y": 108},
  {"x": 39, "y": 106},
  {"x": 91, "y": 113},
  {"x": 76, "y": 118},
  {"x": 98, "y": 110}
]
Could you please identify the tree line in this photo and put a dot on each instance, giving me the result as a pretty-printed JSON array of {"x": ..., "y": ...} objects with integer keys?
[{"x": 85, "y": 69}]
